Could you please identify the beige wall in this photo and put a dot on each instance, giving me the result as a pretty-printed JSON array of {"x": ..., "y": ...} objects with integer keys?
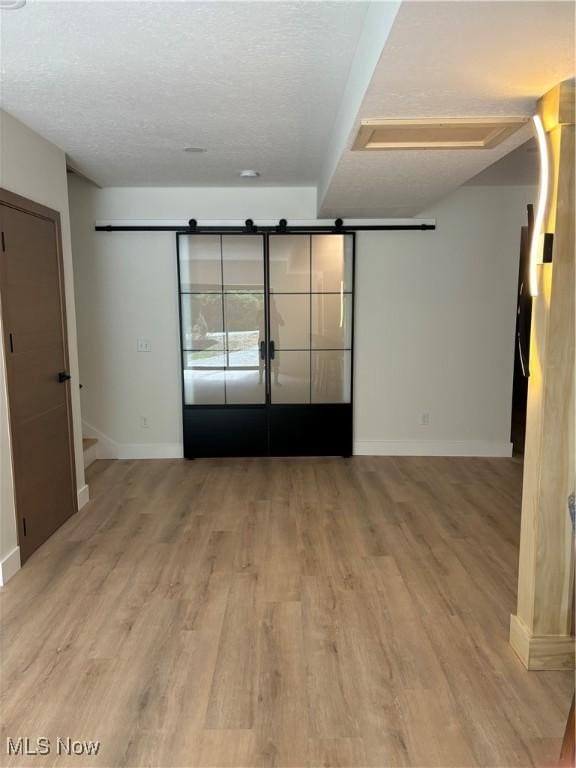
[{"x": 35, "y": 168}]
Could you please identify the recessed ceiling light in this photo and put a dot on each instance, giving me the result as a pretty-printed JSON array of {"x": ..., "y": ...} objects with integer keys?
[
  {"x": 194, "y": 149},
  {"x": 249, "y": 174},
  {"x": 11, "y": 5}
]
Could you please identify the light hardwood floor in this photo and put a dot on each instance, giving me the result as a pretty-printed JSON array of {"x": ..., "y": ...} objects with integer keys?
[{"x": 281, "y": 612}]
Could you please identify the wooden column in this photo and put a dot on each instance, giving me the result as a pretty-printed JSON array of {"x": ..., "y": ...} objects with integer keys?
[{"x": 541, "y": 632}]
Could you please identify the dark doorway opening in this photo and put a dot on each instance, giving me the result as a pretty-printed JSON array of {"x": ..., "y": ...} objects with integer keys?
[{"x": 522, "y": 341}]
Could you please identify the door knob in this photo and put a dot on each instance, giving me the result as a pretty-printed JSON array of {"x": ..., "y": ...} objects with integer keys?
[{"x": 63, "y": 376}]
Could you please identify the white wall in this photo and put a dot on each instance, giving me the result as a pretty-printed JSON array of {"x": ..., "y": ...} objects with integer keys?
[
  {"x": 35, "y": 168},
  {"x": 205, "y": 202},
  {"x": 126, "y": 288},
  {"x": 434, "y": 325}
]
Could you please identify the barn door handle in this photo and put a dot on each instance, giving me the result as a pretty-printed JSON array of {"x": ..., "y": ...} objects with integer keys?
[
  {"x": 272, "y": 350},
  {"x": 63, "y": 376},
  {"x": 262, "y": 350}
]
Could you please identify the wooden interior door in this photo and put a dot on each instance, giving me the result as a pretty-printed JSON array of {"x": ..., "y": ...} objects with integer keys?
[{"x": 36, "y": 352}]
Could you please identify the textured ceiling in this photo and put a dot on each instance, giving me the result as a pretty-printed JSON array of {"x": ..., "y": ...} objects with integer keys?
[
  {"x": 122, "y": 87},
  {"x": 451, "y": 59}
]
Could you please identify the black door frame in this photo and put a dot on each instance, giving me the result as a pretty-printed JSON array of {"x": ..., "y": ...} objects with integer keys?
[{"x": 267, "y": 429}]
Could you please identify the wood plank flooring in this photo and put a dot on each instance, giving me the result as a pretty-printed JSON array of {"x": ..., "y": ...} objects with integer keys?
[{"x": 301, "y": 612}]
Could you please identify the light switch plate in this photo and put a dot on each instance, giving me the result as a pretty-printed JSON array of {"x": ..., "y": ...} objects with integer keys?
[{"x": 143, "y": 345}]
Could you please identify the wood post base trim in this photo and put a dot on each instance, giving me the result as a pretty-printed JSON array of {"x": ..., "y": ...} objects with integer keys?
[
  {"x": 83, "y": 496},
  {"x": 541, "y": 651}
]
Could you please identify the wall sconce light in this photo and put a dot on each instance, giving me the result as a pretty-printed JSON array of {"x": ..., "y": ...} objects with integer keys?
[{"x": 537, "y": 236}]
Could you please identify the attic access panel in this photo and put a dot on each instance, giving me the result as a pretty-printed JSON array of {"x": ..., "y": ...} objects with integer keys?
[{"x": 436, "y": 133}]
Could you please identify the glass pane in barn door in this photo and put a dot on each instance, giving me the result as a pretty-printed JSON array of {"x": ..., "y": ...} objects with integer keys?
[
  {"x": 331, "y": 318},
  {"x": 311, "y": 318},
  {"x": 331, "y": 263},
  {"x": 289, "y": 258},
  {"x": 203, "y": 350},
  {"x": 289, "y": 263},
  {"x": 222, "y": 318},
  {"x": 200, "y": 264},
  {"x": 244, "y": 326}
]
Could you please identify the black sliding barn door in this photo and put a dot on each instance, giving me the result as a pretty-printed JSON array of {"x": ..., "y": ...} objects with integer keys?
[{"x": 266, "y": 333}]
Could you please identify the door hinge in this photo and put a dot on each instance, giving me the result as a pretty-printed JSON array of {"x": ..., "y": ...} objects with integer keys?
[
  {"x": 11, "y": 342},
  {"x": 3, "y": 242},
  {"x": 24, "y": 525}
]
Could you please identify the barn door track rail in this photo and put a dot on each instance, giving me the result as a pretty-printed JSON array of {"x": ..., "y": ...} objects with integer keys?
[{"x": 249, "y": 226}]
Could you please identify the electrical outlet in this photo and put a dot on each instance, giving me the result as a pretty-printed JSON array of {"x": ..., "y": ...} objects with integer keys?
[
  {"x": 425, "y": 419},
  {"x": 144, "y": 423},
  {"x": 143, "y": 345}
]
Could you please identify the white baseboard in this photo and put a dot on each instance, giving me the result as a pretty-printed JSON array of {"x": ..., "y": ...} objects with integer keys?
[
  {"x": 83, "y": 496},
  {"x": 106, "y": 448},
  {"x": 9, "y": 565},
  {"x": 109, "y": 449},
  {"x": 485, "y": 448},
  {"x": 150, "y": 451}
]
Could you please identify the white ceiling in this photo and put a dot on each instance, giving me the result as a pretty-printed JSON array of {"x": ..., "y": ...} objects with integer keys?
[
  {"x": 447, "y": 59},
  {"x": 519, "y": 168},
  {"x": 122, "y": 87}
]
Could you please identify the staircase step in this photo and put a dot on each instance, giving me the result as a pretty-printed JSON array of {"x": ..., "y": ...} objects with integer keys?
[{"x": 90, "y": 450}]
